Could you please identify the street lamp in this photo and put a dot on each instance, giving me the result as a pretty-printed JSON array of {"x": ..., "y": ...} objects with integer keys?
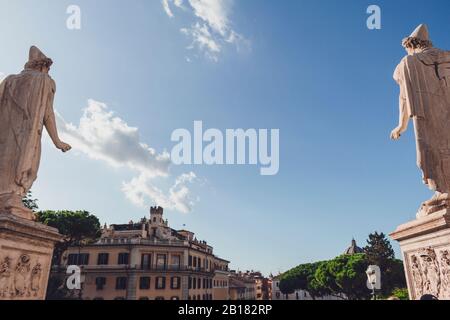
[{"x": 373, "y": 279}]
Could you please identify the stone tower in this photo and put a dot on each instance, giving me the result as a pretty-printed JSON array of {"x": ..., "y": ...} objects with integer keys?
[{"x": 156, "y": 216}]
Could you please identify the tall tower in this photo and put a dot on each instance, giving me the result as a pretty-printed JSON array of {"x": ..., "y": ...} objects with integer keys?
[{"x": 156, "y": 216}]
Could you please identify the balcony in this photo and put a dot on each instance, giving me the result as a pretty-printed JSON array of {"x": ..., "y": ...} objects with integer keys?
[
  {"x": 139, "y": 241},
  {"x": 151, "y": 242}
]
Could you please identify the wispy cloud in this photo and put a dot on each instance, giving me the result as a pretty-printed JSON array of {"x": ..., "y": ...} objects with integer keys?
[
  {"x": 177, "y": 198},
  {"x": 211, "y": 28},
  {"x": 103, "y": 136}
]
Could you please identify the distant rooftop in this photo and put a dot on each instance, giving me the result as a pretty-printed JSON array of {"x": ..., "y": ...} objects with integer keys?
[{"x": 353, "y": 249}]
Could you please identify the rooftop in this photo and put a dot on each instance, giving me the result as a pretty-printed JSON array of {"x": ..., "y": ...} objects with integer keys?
[{"x": 353, "y": 249}]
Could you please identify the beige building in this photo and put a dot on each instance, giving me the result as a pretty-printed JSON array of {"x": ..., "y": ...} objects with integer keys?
[
  {"x": 263, "y": 286},
  {"x": 243, "y": 286},
  {"x": 149, "y": 261}
]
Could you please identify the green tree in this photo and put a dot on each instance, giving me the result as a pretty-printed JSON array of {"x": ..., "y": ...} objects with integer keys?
[
  {"x": 29, "y": 202},
  {"x": 346, "y": 275},
  {"x": 77, "y": 227},
  {"x": 302, "y": 277},
  {"x": 392, "y": 277},
  {"x": 401, "y": 294},
  {"x": 379, "y": 250}
]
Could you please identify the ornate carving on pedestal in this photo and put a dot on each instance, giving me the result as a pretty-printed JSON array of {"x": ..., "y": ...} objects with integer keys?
[
  {"x": 445, "y": 272},
  {"x": 5, "y": 277},
  {"x": 430, "y": 272},
  {"x": 417, "y": 277},
  {"x": 425, "y": 244},
  {"x": 20, "y": 277},
  {"x": 26, "y": 249}
]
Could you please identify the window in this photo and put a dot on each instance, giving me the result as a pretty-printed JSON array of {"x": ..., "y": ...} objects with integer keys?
[
  {"x": 100, "y": 283},
  {"x": 159, "y": 298},
  {"x": 176, "y": 261},
  {"x": 175, "y": 283},
  {"x": 78, "y": 259},
  {"x": 190, "y": 261},
  {"x": 72, "y": 259},
  {"x": 121, "y": 283},
  {"x": 144, "y": 283},
  {"x": 204, "y": 283},
  {"x": 199, "y": 262},
  {"x": 190, "y": 283},
  {"x": 160, "y": 283},
  {"x": 143, "y": 298},
  {"x": 194, "y": 283},
  {"x": 123, "y": 258},
  {"x": 102, "y": 259},
  {"x": 146, "y": 261},
  {"x": 175, "y": 298},
  {"x": 83, "y": 259},
  {"x": 161, "y": 261},
  {"x": 199, "y": 283}
]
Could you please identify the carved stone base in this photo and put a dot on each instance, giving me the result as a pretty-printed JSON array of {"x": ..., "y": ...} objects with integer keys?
[
  {"x": 26, "y": 249},
  {"x": 425, "y": 245}
]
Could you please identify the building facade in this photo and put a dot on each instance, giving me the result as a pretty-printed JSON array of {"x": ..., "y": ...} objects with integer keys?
[
  {"x": 148, "y": 261},
  {"x": 249, "y": 285}
]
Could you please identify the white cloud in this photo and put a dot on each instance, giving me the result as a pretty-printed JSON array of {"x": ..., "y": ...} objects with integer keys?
[
  {"x": 213, "y": 12},
  {"x": 166, "y": 7},
  {"x": 178, "y": 197},
  {"x": 2, "y": 76},
  {"x": 211, "y": 28},
  {"x": 103, "y": 136},
  {"x": 203, "y": 40},
  {"x": 167, "y": 3}
]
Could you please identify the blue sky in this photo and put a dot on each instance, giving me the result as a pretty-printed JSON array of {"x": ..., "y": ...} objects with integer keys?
[{"x": 310, "y": 68}]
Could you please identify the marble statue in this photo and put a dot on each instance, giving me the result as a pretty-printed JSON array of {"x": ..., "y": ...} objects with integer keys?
[
  {"x": 26, "y": 106},
  {"x": 424, "y": 80}
]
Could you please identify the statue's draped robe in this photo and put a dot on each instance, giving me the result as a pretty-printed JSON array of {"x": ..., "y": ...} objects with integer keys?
[
  {"x": 424, "y": 80},
  {"x": 26, "y": 101}
]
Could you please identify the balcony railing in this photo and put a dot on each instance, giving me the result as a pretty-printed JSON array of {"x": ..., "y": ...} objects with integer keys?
[
  {"x": 168, "y": 268},
  {"x": 139, "y": 241},
  {"x": 151, "y": 242}
]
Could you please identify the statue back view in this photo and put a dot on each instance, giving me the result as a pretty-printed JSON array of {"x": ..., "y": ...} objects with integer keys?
[
  {"x": 26, "y": 106},
  {"x": 424, "y": 80}
]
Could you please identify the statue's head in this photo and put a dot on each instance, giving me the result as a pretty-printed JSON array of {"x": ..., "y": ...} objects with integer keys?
[
  {"x": 38, "y": 61},
  {"x": 418, "y": 40}
]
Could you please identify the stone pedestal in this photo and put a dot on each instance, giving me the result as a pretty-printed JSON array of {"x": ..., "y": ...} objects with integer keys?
[
  {"x": 425, "y": 245},
  {"x": 26, "y": 249}
]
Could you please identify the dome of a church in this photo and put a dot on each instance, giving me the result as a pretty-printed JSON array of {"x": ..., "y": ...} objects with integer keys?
[{"x": 353, "y": 249}]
